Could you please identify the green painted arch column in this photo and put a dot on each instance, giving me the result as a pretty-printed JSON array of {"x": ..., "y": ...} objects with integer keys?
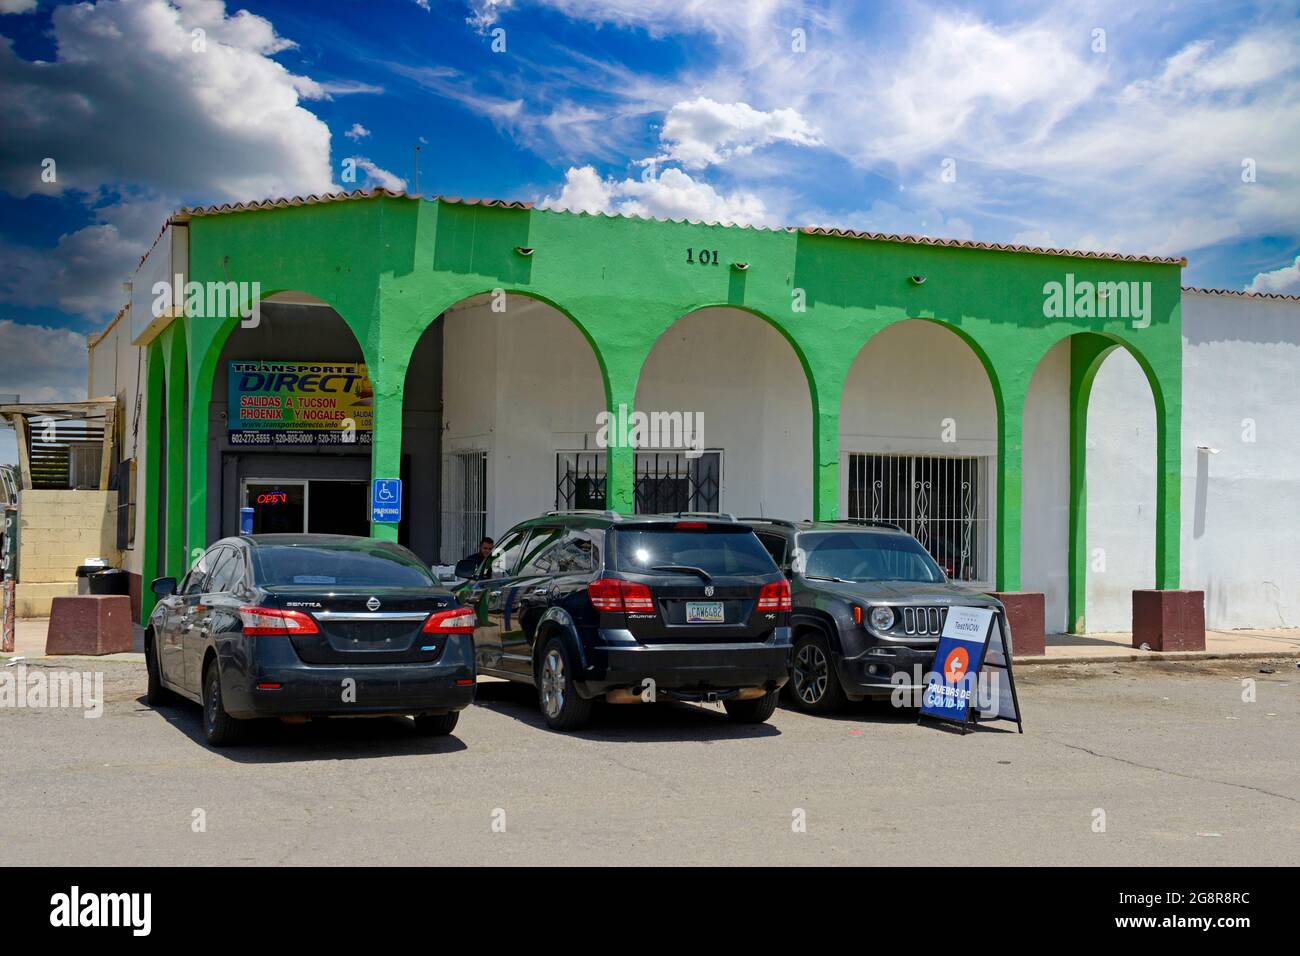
[{"x": 153, "y": 565}]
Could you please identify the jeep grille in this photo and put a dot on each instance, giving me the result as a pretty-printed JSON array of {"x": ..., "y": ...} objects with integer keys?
[{"x": 924, "y": 620}]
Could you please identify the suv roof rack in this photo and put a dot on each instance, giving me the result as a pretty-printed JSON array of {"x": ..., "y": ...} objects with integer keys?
[
  {"x": 782, "y": 522},
  {"x": 866, "y": 522},
  {"x": 589, "y": 512}
]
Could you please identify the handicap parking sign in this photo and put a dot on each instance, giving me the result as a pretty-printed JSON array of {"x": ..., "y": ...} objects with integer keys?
[{"x": 386, "y": 500}]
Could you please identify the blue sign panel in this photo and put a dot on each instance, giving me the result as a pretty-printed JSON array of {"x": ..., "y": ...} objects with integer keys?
[
  {"x": 386, "y": 500},
  {"x": 950, "y": 687}
]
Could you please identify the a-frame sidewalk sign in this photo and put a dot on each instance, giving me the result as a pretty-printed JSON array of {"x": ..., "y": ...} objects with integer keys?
[{"x": 974, "y": 639}]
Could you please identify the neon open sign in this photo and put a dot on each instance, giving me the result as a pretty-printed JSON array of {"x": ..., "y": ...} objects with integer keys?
[{"x": 273, "y": 498}]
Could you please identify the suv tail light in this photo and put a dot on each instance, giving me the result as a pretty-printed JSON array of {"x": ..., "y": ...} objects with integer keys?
[
  {"x": 454, "y": 620},
  {"x": 273, "y": 622},
  {"x": 775, "y": 596},
  {"x": 611, "y": 594}
]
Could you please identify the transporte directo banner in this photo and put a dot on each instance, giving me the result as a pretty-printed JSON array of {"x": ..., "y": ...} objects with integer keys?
[{"x": 299, "y": 403}]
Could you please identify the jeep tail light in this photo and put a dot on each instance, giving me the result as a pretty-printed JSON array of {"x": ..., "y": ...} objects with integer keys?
[
  {"x": 273, "y": 622},
  {"x": 611, "y": 594},
  {"x": 691, "y": 525},
  {"x": 775, "y": 596},
  {"x": 454, "y": 620}
]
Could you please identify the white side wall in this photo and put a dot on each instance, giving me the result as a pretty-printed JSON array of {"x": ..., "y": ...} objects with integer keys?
[
  {"x": 745, "y": 379},
  {"x": 1241, "y": 507},
  {"x": 116, "y": 368},
  {"x": 1121, "y": 479},
  {"x": 1045, "y": 487}
]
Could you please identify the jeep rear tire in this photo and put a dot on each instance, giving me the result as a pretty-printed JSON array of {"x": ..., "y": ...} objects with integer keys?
[{"x": 814, "y": 685}]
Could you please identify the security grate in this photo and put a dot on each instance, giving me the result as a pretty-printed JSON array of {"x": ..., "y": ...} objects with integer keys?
[
  {"x": 941, "y": 501},
  {"x": 464, "y": 504},
  {"x": 663, "y": 482}
]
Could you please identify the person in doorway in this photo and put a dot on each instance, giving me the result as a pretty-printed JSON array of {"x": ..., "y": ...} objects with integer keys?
[{"x": 468, "y": 566}]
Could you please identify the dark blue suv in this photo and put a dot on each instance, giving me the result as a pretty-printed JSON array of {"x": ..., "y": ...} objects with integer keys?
[{"x": 590, "y": 606}]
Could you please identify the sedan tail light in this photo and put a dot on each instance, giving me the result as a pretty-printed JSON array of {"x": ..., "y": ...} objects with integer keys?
[
  {"x": 611, "y": 594},
  {"x": 775, "y": 596},
  {"x": 273, "y": 622},
  {"x": 454, "y": 620}
]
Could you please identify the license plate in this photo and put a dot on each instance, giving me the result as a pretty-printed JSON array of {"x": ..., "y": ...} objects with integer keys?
[{"x": 704, "y": 612}]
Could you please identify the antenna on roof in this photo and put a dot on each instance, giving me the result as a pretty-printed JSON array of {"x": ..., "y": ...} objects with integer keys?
[{"x": 417, "y": 169}]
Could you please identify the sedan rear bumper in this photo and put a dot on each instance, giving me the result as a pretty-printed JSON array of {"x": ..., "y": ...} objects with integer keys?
[{"x": 339, "y": 690}]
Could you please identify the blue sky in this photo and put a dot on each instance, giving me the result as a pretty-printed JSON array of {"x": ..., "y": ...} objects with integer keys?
[{"x": 1166, "y": 128}]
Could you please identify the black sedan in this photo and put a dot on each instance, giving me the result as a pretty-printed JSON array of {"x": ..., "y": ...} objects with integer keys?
[{"x": 301, "y": 625}]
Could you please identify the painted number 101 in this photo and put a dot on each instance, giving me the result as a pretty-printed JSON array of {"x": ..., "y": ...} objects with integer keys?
[{"x": 705, "y": 257}]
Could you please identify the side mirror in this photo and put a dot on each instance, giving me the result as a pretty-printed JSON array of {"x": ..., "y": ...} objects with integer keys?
[
  {"x": 468, "y": 567},
  {"x": 163, "y": 587}
]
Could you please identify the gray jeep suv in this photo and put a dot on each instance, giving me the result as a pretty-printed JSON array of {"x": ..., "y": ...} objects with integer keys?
[{"x": 869, "y": 604}]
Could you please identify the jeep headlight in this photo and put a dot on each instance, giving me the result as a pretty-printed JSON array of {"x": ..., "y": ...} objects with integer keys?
[{"x": 882, "y": 618}]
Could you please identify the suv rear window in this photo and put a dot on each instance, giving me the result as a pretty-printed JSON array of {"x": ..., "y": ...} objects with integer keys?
[
  {"x": 867, "y": 556},
  {"x": 315, "y": 566},
  {"x": 717, "y": 552}
]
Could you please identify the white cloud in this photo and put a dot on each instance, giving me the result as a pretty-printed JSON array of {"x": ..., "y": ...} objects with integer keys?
[
  {"x": 84, "y": 272},
  {"x": 17, "y": 6},
  {"x": 379, "y": 176},
  {"x": 703, "y": 132},
  {"x": 357, "y": 132},
  {"x": 42, "y": 364},
  {"x": 131, "y": 99},
  {"x": 671, "y": 195},
  {"x": 1285, "y": 280}
]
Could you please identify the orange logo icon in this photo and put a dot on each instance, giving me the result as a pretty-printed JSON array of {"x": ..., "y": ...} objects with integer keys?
[{"x": 954, "y": 667}]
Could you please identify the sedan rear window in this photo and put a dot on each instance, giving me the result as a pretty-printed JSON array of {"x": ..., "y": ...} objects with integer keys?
[
  {"x": 318, "y": 566},
  {"x": 714, "y": 552}
]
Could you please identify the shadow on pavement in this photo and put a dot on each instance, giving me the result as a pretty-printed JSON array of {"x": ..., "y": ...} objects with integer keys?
[
  {"x": 624, "y": 723},
  {"x": 345, "y": 738}
]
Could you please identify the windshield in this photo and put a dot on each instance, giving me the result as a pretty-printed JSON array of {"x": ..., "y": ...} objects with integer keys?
[
  {"x": 867, "y": 556},
  {"x": 713, "y": 552},
  {"x": 322, "y": 566}
]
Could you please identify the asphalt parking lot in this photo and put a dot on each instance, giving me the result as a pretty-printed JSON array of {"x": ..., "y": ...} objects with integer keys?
[{"x": 1184, "y": 771}]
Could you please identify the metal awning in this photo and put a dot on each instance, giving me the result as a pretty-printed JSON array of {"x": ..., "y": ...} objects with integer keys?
[{"x": 64, "y": 445}]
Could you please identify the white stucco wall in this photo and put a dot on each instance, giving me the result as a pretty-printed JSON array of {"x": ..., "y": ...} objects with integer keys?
[
  {"x": 1121, "y": 453},
  {"x": 1045, "y": 488},
  {"x": 520, "y": 384},
  {"x": 745, "y": 379},
  {"x": 1241, "y": 507}
]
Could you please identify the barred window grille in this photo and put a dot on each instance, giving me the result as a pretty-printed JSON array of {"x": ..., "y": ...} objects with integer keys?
[
  {"x": 464, "y": 504},
  {"x": 941, "y": 501},
  {"x": 580, "y": 481},
  {"x": 663, "y": 482}
]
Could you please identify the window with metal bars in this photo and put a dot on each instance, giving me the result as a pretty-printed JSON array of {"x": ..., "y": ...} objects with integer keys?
[
  {"x": 663, "y": 481},
  {"x": 464, "y": 504},
  {"x": 941, "y": 501}
]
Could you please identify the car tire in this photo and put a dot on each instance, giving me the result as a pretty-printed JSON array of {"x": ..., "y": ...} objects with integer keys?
[
  {"x": 155, "y": 693},
  {"x": 436, "y": 725},
  {"x": 220, "y": 729},
  {"x": 753, "y": 711},
  {"x": 561, "y": 706},
  {"x": 814, "y": 685}
]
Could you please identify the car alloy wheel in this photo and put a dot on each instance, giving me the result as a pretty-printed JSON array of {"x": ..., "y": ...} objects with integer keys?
[
  {"x": 553, "y": 684},
  {"x": 811, "y": 673}
]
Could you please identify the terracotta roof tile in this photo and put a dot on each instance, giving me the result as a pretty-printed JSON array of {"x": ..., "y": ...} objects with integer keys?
[
  {"x": 184, "y": 215},
  {"x": 1241, "y": 293}
]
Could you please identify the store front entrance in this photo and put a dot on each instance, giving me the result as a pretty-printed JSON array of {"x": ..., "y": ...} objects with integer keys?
[{"x": 316, "y": 505}]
